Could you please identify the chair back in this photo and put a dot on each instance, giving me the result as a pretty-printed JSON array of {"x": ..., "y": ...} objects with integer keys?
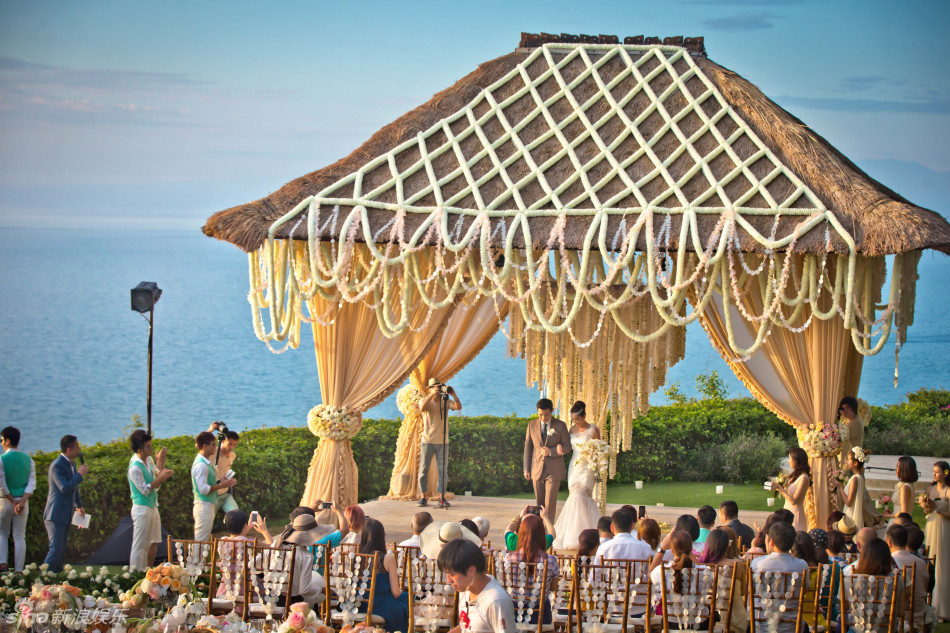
[
  {"x": 688, "y": 607},
  {"x": 404, "y": 554},
  {"x": 869, "y": 602},
  {"x": 613, "y": 592},
  {"x": 561, "y": 593},
  {"x": 727, "y": 593},
  {"x": 776, "y": 600},
  {"x": 228, "y": 570},
  {"x": 352, "y": 579},
  {"x": 433, "y": 603},
  {"x": 268, "y": 584},
  {"x": 529, "y": 587},
  {"x": 192, "y": 556}
]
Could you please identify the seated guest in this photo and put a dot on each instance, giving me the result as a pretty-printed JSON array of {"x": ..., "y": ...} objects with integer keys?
[
  {"x": 864, "y": 536},
  {"x": 632, "y": 510},
  {"x": 846, "y": 526},
  {"x": 483, "y": 527},
  {"x": 511, "y": 534},
  {"x": 729, "y": 515},
  {"x": 531, "y": 550},
  {"x": 435, "y": 535},
  {"x": 484, "y": 605},
  {"x": 785, "y": 515},
  {"x": 689, "y": 524},
  {"x": 706, "y": 517},
  {"x": 305, "y": 585},
  {"x": 896, "y": 539},
  {"x": 587, "y": 542},
  {"x": 836, "y": 546},
  {"x": 681, "y": 544},
  {"x": 833, "y": 519},
  {"x": 903, "y": 518},
  {"x": 915, "y": 541},
  {"x": 470, "y": 525},
  {"x": 389, "y": 601},
  {"x": 779, "y": 541},
  {"x": 721, "y": 548},
  {"x": 874, "y": 560},
  {"x": 230, "y": 555},
  {"x": 328, "y": 537},
  {"x": 355, "y": 517},
  {"x": 603, "y": 529},
  {"x": 624, "y": 545},
  {"x": 804, "y": 549},
  {"x": 420, "y": 521},
  {"x": 820, "y": 538},
  {"x": 649, "y": 532}
]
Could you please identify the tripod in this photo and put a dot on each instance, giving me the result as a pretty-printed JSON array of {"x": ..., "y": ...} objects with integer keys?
[{"x": 444, "y": 412}]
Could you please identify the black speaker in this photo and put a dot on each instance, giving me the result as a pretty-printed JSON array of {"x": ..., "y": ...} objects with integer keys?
[{"x": 145, "y": 296}]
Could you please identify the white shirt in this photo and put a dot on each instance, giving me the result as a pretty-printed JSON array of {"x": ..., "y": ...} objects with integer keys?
[
  {"x": 138, "y": 478},
  {"x": 656, "y": 578},
  {"x": 352, "y": 538},
  {"x": 492, "y": 611},
  {"x": 30, "y": 483},
  {"x": 412, "y": 541},
  {"x": 604, "y": 539},
  {"x": 623, "y": 546},
  {"x": 199, "y": 473}
]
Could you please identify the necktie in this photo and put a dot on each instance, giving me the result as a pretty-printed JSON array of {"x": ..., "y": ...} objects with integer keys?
[{"x": 544, "y": 431}]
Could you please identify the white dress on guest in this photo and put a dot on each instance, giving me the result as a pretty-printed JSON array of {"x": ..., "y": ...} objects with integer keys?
[
  {"x": 580, "y": 512},
  {"x": 861, "y": 498}
]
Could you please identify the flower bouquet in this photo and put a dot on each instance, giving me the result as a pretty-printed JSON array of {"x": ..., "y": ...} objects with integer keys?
[
  {"x": 302, "y": 619},
  {"x": 334, "y": 423},
  {"x": 782, "y": 480},
  {"x": 886, "y": 502},
  {"x": 596, "y": 455},
  {"x": 51, "y": 606},
  {"x": 163, "y": 584},
  {"x": 822, "y": 440},
  {"x": 925, "y": 503},
  {"x": 840, "y": 476}
]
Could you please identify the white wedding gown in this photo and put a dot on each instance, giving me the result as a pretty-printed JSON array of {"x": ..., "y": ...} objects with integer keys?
[{"x": 580, "y": 511}]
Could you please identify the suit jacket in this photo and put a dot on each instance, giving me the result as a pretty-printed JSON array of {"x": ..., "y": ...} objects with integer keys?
[
  {"x": 744, "y": 532},
  {"x": 534, "y": 462},
  {"x": 63, "y": 495}
]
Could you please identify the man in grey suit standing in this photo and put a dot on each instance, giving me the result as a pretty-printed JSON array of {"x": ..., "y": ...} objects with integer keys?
[
  {"x": 63, "y": 498},
  {"x": 546, "y": 442}
]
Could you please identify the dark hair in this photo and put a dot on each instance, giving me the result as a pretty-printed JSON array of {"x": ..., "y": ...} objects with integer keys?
[
  {"x": 784, "y": 515},
  {"x": 706, "y": 516},
  {"x": 12, "y": 435},
  {"x": 689, "y": 524},
  {"x": 421, "y": 520},
  {"x": 531, "y": 541},
  {"x": 850, "y": 401},
  {"x": 782, "y": 535},
  {"x": 804, "y": 548},
  {"x": 587, "y": 542},
  {"x": 801, "y": 464},
  {"x": 732, "y": 551},
  {"x": 759, "y": 540},
  {"x": 469, "y": 525},
  {"x": 579, "y": 408},
  {"x": 603, "y": 524},
  {"x": 897, "y": 534},
  {"x": 233, "y": 435},
  {"x": 544, "y": 404},
  {"x": 682, "y": 547},
  {"x": 67, "y": 442},
  {"x": 622, "y": 520},
  {"x": 235, "y": 520},
  {"x": 874, "y": 559},
  {"x": 915, "y": 537},
  {"x": 139, "y": 439},
  {"x": 833, "y": 519},
  {"x": 203, "y": 439},
  {"x": 460, "y": 555},
  {"x": 649, "y": 532},
  {"x": 836, "y": 541},
  {"x": 730, "y": 509},
  {"x": 907, "y": 469},
  {"x": 715, "y": 548},
  {"x": 629, "y": 508},
  {"x": 944, "y": 466},
  {"x": 373, "y": 540}
]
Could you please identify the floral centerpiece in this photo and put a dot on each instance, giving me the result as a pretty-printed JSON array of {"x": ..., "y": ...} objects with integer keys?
[
  {"x": 822, "y": 439},
  {"x": 302, "y": 619},
  {"x": 334, "y": 423},
  {"x": 164, "y": 584},
  {"x": 408, "y": 398},
  {"x": 53, "y": 604},
  {"x": 886, "y": 501}
]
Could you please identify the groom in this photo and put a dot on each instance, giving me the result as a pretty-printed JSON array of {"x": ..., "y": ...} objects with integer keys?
[{"x": 545, "y": 444}]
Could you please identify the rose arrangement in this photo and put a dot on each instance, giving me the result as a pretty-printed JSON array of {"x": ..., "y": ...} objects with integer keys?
[
  {"x": 334, "y": 423},
  {"x": 164, "y": 583},
  {"x": 302, "y": 619},
  {"x": 822, "y": 440},
  {"x": 44, "y": 601},
  {"x": 925, "y": 503},
  {"x": 840, "y": 476},
  {"x": 886, "y": 501},
  {"x": 596, "y": 455}
]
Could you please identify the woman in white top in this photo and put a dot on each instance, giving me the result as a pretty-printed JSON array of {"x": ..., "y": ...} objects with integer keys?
[
  {"x": 857, "y": 501},
  {"x": 681, "y": 544},
  {"x": 797, "y": 489},
  {"x": 937, "y": 529},
  {"x": 907, "y": 476},
  {"x": 355, "y": 518},
  {"x": 580, "y": 511}
]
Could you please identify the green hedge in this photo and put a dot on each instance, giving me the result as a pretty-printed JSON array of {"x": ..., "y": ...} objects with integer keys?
[{"x": 709, "y": 440}]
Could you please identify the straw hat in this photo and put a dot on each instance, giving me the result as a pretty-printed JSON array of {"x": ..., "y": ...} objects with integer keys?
[
  {"x": 434, "y": 381},
  {"x": 438, "y": 533},
  {"x": 307, "y": 531},
  {"x": 846, "y": 526}
]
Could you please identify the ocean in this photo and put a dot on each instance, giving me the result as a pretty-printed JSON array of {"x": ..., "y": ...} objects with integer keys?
[{"x": 73, "y": 353}]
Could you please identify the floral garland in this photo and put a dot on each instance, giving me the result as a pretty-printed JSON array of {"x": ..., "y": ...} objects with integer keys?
[
  {"x": 822, "y": 439},
  {"x": 334, "y": 423}
]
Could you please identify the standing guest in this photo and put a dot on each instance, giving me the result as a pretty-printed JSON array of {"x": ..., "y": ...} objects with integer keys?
[
  {"x": 204, "y": 485},
  {"x": 603, "y": 529},
  {"x": 483, "y": 527},
  {"x": 420, "y": 520},
  {"x": 389, "y": 601},
  {"x": 63, "y": 499},
  {"x": 896, "y": 538},
  {"x": 146, "y": 475},
  {"x": 546, "y": 441},
  {"x": 857, "y": 501},
  {"x": 17, "y": 483},
  {"x": 848, "y": 414},
  {"x": 355, "y": 519},
  {"x": 484, "y": 605},
  {"x": 624, "y": 545},
  {"x": 707, "y": 521},
  {"x": 587, "y": 543},
  {"x": 434, "y": 440},
  {"x": 649, "y": 532},
  {"x": 797, "y": 488},
  {"x": 225, "y": 458},
  {"x": 729, "y": 515},
  {"x": 937, "y": 530},
  {"x": 904, "y": 495},
  {"x": 780, "y": 539}
]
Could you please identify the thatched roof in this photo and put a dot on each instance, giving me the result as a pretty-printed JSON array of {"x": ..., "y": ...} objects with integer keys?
[{"x": 679, "y": 126}]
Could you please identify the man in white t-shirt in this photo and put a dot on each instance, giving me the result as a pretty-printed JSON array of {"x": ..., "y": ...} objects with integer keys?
[
  {"x": 484, "y": 605},
  {"x": 624, "y": 545}
]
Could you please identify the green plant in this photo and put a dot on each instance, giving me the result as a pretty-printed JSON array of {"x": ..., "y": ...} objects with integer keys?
[
  {"x": 674, "y": 395},
  {"x": 711, "y": 386}
]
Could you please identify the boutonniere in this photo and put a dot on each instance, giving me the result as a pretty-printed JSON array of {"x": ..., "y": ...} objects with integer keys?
[{"x": 551, "y": 432}]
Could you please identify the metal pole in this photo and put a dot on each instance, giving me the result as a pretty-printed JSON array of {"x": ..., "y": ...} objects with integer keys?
[{"x": 148, "y": 397}]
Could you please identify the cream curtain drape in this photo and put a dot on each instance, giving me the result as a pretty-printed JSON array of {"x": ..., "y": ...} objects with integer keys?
[
  {"x": 466, "y": 333},
  {"x": 801, "y": 377}
]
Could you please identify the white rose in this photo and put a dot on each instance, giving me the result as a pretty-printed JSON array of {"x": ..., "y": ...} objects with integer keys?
[{"x": 67, "y": 567}]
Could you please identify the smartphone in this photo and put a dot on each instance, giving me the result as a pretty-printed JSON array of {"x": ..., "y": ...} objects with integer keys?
[
  {"x": 642, "y": 511},
  {"x": 255, "y": 517},
  {"x": 326, "y": 505},
  {"x": 534, "y": 510}
]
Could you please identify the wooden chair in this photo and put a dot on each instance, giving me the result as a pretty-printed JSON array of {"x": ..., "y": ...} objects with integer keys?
[
  {"x": 869, "y": 604},
  {"x": 268, "y": 582},
  {"x": 433, "y": 603},
  {"x": 821, "y": 597},
  {"x": 908, "y": 622},
  {"x": 404, "y": 554},
  {"x": 688, "y": 608},
  {"x": 192, "y": 556},
  {"x": 605, "y": 595},
  {"x": 727, "y": 595},
  {"x": 228, "y": 571},
  {"x": 776, "y": 598},
  {"x": 529, "y": 587},
  {"x": 351, "y": 577},
  {"x": 561, "y": 592}
]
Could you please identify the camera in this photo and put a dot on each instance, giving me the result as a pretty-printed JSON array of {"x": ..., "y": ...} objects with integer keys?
[
  {"x": 221, "y": 428},
  {"x": 444, "y": 390}
]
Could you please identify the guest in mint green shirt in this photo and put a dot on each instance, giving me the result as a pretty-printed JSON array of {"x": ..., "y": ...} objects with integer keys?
[
  {"x": 17, "y": 483},
  {"x": 146, "y": 475},
  {"x": 511, "y": 534}
]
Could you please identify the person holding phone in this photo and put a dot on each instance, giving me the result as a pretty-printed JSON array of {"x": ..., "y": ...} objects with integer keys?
[
  {"x": 223, "y": 465},
  {"x": 511, "y": 534}
]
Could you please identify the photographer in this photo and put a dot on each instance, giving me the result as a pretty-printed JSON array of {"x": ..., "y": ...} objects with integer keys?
[
  {"x": 222, "y": 467},
  {"x": 204, "y": 485},
  {"x": 434, "y": 434}
]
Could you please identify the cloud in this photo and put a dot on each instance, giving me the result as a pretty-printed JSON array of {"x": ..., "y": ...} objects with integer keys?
[
  {"x": 869, "y": 82},
  {"x": 23, "y": 73},
  {"x": 748, "y": 21},
  {"x": 925, "y": 106}
]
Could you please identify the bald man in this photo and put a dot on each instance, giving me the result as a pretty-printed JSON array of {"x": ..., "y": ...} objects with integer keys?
[{"x": 864, "y": 536}]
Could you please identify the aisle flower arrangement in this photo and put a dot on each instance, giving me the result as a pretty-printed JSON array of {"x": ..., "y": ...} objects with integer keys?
[
  {"x": 334, "y": 423},
  {"x": 822, "y": 440},
  {"x": 164, "y": 584},
  {"x": 100, "y": 585}
]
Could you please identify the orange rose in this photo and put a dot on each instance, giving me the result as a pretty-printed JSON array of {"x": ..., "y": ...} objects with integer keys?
[
  {"x": 165, "y": 581},
  {"x": 176, "y": 585}
]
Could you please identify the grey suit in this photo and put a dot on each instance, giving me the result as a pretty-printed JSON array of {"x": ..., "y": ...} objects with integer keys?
[{"x": 62, "y": 500}]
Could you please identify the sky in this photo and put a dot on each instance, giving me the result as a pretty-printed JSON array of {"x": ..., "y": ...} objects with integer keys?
[{"x": 155, "y": 115}]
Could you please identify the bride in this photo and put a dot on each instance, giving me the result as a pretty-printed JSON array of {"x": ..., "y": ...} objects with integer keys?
[{"x": 580, "y": 511}]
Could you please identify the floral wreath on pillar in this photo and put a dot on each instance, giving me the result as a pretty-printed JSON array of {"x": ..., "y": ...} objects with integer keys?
[
  {"x": 334, "y": 423},
  {"x": 821, "y": 440}
]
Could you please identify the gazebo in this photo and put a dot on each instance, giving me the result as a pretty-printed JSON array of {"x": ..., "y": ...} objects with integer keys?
[{"x": 589, "y": 198}]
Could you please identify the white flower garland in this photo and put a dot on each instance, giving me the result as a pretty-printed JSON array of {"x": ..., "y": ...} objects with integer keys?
[{"x": 334, "y": 423}]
